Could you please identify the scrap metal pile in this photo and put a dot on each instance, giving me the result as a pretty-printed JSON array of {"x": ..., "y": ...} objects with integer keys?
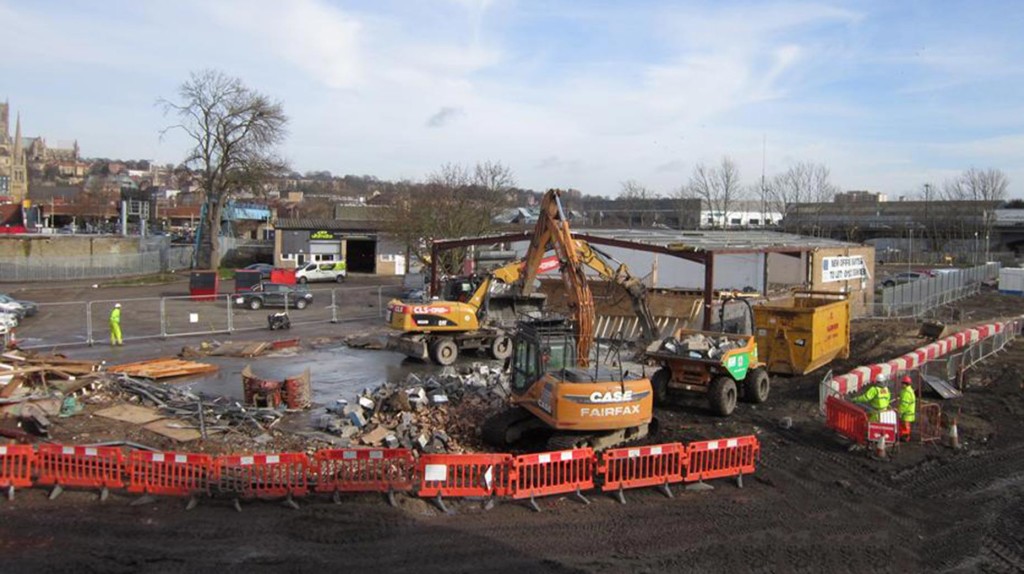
[
  {"x": 442, "y": 413},
  {"x": 205, "y": 414}
]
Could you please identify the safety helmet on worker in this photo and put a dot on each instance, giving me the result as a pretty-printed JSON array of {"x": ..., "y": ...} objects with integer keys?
[
  {"x": 907, "y": 381},
  {"x": 117, "y": 305},
  {"x": 881, "y": 379}
]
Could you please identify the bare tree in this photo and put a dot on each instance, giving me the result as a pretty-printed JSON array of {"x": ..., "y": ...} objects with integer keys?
[
  {"x": 803, "y": 183},
  {"x": 233, "y": 130},
  {"x": 632, "y": 189},
  {"x": 494, "y": 176},
  {"x": 717, "y": 188},
  {"x": 449, "y": 205},
  {"x": 637, "y": 199},
  {"x": 984, "y": 189}
]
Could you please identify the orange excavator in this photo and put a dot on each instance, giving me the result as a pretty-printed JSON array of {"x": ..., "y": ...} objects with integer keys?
[{"x": 556, "y": 386}]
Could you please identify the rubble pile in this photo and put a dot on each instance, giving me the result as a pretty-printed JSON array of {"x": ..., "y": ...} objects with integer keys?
[
  {"x": 441, "y": 413},
  {"x": 699, "y": 346},
  {"x": 36, "y": 386}
]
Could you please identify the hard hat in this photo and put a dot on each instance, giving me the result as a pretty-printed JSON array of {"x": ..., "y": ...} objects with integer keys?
[
  {"x": 117, "y": 305},
  {"x": 881, "y": 379},
  {"x": 907, "y": 381}
]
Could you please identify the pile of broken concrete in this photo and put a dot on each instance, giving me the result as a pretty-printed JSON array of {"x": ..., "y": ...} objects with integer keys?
[{"x": 437, "y": 414}]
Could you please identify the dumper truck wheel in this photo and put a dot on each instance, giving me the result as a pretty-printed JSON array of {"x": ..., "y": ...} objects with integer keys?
[
  {"x": 501, "y": 347},
  {"x": 756, "y": 386},
  {"x": 444, "y": 351},
  {"x": 722, "y": 396},
  {"x": 659, "y": 383}
]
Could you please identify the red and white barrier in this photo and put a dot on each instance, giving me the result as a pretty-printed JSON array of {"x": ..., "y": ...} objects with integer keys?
[
  {"x": 364, "y": 470},
  {"x": 169, "y": 473},
  {"x": 16, "y": 467},
  {"x": 288, "y": 475},
  {"x": 641, "y": 467},
  {"x": 548, "y": 473},
  {"x": 861, "y": 376}
]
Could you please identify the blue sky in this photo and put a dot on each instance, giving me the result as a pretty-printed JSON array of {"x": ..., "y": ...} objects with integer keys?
[{"x": 888, "y": 95}]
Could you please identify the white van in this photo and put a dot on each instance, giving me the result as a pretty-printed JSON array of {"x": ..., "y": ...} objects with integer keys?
[{"x": 323, "y": 271}]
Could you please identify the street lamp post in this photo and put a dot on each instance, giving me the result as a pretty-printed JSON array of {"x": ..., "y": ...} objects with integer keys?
[
  {"x": 910, "y": 249},
  {"x": 975, "y": 247}
]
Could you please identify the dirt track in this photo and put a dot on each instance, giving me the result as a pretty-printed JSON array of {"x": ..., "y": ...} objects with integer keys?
[{"x": 812, "y": 506}]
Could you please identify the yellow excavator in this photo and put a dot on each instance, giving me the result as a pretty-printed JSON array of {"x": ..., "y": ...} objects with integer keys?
[
  {"x": 554, "y": 386},
  {"x": 477, "y": 316},
  {"x": 479, "y": 312}
]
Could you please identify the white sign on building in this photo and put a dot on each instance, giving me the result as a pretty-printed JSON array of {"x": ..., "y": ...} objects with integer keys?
[{"x": 849, "y": 268}]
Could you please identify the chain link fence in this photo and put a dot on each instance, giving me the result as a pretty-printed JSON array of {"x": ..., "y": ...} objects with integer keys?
[
  {"x": 87, "y": 322},
  {"x": 95, "y": 266},
  {"x": 916, "y": 298}
]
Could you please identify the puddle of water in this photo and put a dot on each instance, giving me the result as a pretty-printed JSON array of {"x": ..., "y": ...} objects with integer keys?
[{"x": 336, "y": 373}]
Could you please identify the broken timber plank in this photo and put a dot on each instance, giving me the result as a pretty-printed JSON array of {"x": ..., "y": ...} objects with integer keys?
[{"x": 163, "y": 368}]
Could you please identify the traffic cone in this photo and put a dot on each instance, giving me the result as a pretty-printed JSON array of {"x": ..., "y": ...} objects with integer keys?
[
  {"x": 954, "y": 436},
  {"x": 880, "y": 447}
]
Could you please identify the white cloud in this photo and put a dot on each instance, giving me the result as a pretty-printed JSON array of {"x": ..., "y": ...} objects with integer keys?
[
  {"x": 311, "y": 35},
  {"x": 607, "y": 94}
]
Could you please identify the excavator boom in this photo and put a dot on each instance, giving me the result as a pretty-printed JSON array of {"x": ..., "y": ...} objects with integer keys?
[{"x": 552, "y": 232}]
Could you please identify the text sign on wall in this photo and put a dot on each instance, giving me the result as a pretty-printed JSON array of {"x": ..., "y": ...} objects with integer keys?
[{"x": 843, "y": 268}]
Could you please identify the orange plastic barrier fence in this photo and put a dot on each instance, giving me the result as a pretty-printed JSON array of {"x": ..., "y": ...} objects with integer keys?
[
  {"x": 262, "y": 475},
  {"x": 169, "y": 473},
  {"x": 846, "y": 419},
  {"x": 16, "y": 466},
  {"x": 80, "y": 466},
  {"x": 365, "y": 470},
  {"x": 643, "y": 466},
  {"x": 464, "y": 475},
  {"x": 549, "y": 473},
  {"x": 721, "y": 458}
]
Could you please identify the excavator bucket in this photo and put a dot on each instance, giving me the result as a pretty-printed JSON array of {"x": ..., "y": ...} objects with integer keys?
[{"x": 505, "y": 309}]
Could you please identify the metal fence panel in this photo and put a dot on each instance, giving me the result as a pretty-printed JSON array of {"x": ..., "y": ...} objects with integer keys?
[
  {"x": 86, "y": 322},
  {"x": 95, "y": 266},
  {"x": 188, "y": 316},
  {"x": 916, "y": 298},
  {"x": 140, "y": 319}
]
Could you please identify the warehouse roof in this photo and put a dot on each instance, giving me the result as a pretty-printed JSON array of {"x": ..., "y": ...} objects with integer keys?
[
  {"x": 314, "y": 223},
  {"x": 684, "y": 240}
]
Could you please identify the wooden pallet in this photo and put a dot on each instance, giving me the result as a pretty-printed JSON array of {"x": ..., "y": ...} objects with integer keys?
[{"x": 163, "y": 368}]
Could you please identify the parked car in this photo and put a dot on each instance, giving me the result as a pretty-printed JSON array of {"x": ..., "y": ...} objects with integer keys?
[
  {"x": 904, "y": 277},
  {"x": 30, "y": 308},
  {"x": 274, "y": 295},
  {"x": 323, "y": 271},
  {"x": 13, "y": 308},
  {"x": 263, "y": 268}
]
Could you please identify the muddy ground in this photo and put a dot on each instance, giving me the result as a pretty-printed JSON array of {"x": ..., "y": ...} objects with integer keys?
[{"x": 813, "y": 506}]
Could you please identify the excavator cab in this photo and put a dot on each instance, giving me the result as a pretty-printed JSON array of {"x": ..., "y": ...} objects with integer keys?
[
  {"x": 578, "y": 406},
  {"x": 540, "y": 346}
]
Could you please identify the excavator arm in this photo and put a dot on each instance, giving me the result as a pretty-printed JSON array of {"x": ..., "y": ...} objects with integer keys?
[
  {"x": 552, "y": 232},
  {"x": 508, "y": 274},
  {"x": 620, "y": 275}
]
